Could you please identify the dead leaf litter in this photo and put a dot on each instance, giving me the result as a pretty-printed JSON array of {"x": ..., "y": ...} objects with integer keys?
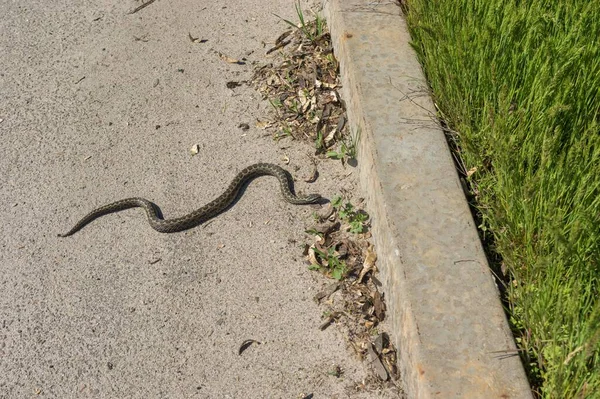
[{"x": 301, "y": 83}]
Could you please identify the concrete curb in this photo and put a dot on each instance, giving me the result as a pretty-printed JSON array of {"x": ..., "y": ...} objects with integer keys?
[{"x": 448, "y": 322}]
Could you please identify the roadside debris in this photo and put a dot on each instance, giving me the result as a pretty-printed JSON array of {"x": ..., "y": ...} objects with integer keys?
[
  {"x": 196, "y": 39},
  {"x": 246, "y": 344},
  {"x": 340, "y": 250},
  {"x": 142, "y": 6},
  {"x": 301, "y": 83}
]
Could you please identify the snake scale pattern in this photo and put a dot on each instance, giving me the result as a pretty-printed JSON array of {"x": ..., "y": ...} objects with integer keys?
[{"x": 208, "y": 211}]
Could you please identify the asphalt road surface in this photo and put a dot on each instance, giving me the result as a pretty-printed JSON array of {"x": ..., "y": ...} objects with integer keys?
[{"x": 98, "y": 104}]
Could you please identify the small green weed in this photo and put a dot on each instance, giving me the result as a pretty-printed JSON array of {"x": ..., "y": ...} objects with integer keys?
[
  {"x": 285, "y": 131},
  {"x": 331, "y": 261},
  {"x": 311, "y": 30},
  {"x": 319, "y": 142},
  {"x": 275, "y": 103},
  {"x": 356, "y": 219},
  {"x": 348, "y": 149},
  {"x": 313, "y": 231}
]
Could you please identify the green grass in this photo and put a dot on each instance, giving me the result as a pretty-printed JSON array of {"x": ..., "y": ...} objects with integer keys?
[
  {"x": 311, "y": 30},
  {"x": 518, "y": 82}
]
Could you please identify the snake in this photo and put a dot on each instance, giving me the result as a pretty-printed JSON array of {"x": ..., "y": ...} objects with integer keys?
[{"x": 206, "y": 212}]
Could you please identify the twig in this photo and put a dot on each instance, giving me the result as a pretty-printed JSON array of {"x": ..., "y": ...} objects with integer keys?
[
  {"x": 280, "y": 45},
  {"x": 142, "y": 6}
]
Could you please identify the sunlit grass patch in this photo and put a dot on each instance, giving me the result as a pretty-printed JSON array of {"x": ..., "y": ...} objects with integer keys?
[{"x": 518, "y": 83}]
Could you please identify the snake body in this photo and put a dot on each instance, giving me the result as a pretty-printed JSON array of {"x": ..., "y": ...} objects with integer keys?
[{"x": 208, "y": 211}]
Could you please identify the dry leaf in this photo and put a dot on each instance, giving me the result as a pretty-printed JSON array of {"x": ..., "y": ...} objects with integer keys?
[
  {"x": 319, "y": 240},
  {"x": 331, "y": 97},
  {"x": 196, "y": 39},
  {"x": 303, "y": 99},
  {"x": 326, "y": 213},
  {"x": 380, "y": 371},
  {"x": 283, "y": 36},
  {"x": 233, "y": 84},
  {"x": 230, "y": 60},
  {"x": 324, "y": 229},
  {"x": 246, "y": 344},
  {"x": 330, "y": 319},
  {"x": 381, "y": 342},
  {"x": 368, "y": 264},
  {"x": 327, "y": 292},
  {"x": 263, "y": 124},
  {"x": 330, "y": 137},
  {"x": 278, "y": 46},
  {"x": 379, "y": 306},
  {"x": 312, "y": 257}
]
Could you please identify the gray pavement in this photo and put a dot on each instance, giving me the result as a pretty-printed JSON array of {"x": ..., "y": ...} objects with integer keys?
[{"x": 96, "y": 105}]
